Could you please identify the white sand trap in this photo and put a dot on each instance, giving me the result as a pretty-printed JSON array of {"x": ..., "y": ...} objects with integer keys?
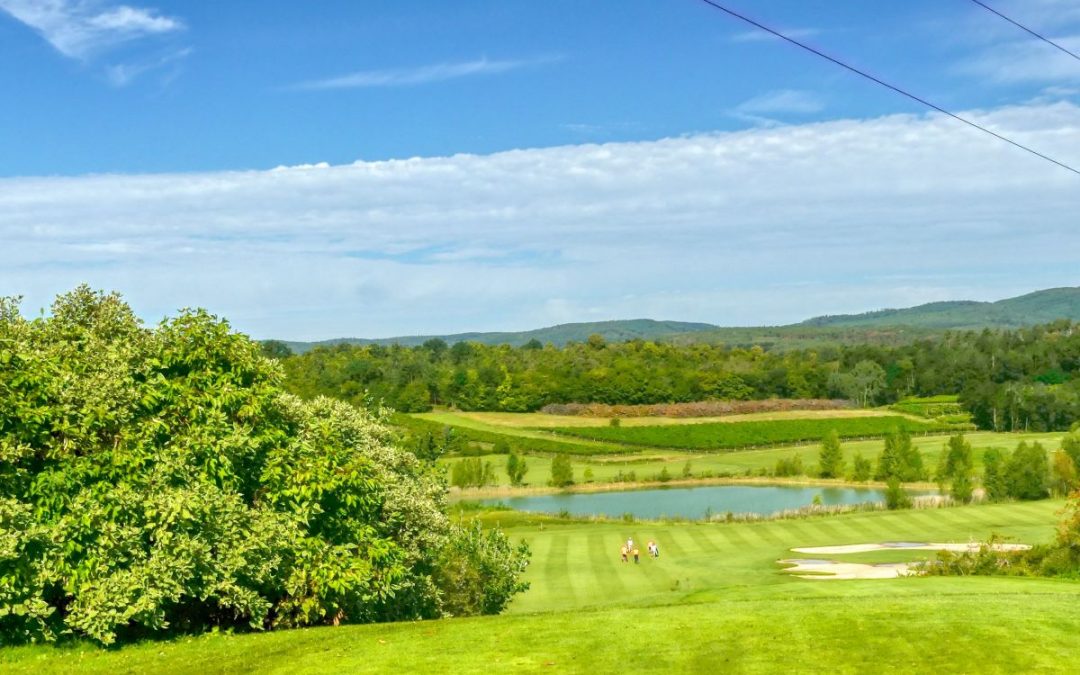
[
  {"x": 828, "y": 570},
  {"x": 906, "y": 546}
]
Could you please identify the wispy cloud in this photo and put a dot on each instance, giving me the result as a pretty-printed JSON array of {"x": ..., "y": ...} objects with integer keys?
[
  {"x": 1000, "y": 53},
  {"x": 781, "y": 102},
  {"x": 714, "y": 227},
  {"x": 123, "y": 74},
  {"x": 81, "y": 29},
  {"x": 406, "y": 77},
  {"x": 1025, "y": 61},
  {"x": 762, "y": 36}
]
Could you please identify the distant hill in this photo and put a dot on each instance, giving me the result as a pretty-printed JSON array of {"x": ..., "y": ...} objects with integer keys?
[
  {"x": 886, "y": 326},
  {"x": 1025, "y": 310},
  {"x": 612, "y": 331}
]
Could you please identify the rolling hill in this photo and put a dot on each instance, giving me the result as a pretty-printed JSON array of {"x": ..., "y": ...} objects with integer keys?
[
  {"x": 886, "y": 326},
  {"x": 1034, "y": 308},
  {"x": 612, "y": 331}
]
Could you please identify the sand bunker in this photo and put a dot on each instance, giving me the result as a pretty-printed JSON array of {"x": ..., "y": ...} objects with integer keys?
[
  {"x": 830, "y": 569},
  {"x": 906, "y": 545}
]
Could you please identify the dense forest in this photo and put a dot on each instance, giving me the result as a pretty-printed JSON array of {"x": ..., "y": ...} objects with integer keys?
[{"x": 1028, "y": 378}]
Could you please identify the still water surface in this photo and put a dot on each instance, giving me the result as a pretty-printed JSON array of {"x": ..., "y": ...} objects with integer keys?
[{"x": 692, "y": 502}]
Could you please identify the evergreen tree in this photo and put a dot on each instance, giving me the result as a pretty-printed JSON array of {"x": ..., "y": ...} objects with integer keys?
[
  {"x": 911, "y": 460},
  {"x": 891, "y": 461},
  {"x": 831, "y": 458},
  {"x": 995, "y": 485}
]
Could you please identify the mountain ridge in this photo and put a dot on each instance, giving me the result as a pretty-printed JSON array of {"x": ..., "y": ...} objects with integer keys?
[{"x": 1043, "y": 306}]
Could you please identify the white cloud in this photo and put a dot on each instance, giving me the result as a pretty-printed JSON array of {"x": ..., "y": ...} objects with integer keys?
[
  {"x": 1026, "y": 60},
  {"x": 83, "y": 28},
  {"x": 404, "y": 77},
  {"x": 1005, "y": 54},
  {"x": 762, "y": 36},
  {"x": 750, "y": 227},
  {"x": 782, "y": 101}
]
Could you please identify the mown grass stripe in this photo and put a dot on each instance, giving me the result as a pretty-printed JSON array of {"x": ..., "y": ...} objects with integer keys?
[
  {"x": 732, "y": 535},
  {"x": 604, "y": 561},
  {"x": 678, "y": 541},
  {"x": 555, "y": 566},
  {"x": 700, "y": 535}
]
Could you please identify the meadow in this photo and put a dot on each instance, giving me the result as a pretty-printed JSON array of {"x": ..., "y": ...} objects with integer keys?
[{"x": 715, "y": 600}]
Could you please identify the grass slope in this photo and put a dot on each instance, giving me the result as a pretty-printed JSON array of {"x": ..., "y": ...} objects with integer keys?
[{"x": 714, "y": 602}]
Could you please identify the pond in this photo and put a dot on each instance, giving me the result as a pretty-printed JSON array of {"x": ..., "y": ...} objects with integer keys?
[{"x": 693, "y": 502}]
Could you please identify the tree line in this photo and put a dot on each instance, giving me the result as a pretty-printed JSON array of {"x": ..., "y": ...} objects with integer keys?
[{"x": 1023, "y": 379}]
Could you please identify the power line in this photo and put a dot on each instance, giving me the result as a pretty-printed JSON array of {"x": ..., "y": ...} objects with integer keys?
[
  {"x": 902, "y": 92},
  {"x": 1025, "y": 28}
]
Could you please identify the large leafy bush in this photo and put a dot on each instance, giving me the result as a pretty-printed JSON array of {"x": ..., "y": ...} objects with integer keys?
[{"x": 159, "y": 480}]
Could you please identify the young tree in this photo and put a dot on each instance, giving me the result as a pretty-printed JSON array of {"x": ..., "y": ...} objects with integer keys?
[
  {"x": 562, "y": 472},
  {"x": 516, "y": 468},
  {"x": 890, "y": 463},
  {"x": 1065, "y": 480},
  {"x": 895, "y": 495},
  {"x": 995, "y": 485},
  {"x": 955, "y": 469},
  {"x": 861, "y": 468},
  {"x": 900, "y": 458},
  {"x": 831, "y": 457}
]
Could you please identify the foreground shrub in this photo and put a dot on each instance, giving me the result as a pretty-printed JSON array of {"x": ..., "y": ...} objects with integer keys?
[{"x": 159, "y": 480}]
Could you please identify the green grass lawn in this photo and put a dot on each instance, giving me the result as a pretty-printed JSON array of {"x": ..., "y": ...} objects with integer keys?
[{"x": 716, "y": 601}]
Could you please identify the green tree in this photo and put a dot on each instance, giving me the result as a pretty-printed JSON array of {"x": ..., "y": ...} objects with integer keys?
[
  {"x": 1027, "y": 472},
  {"x": 900, "y": 458},
  {"x": 831, "y": 457},
  {"x": 516, "y": 468},
  {"x": 1065, "y": 480},
  {"x": 562, "y": 472},
  {"x": 862, "y": 383},
  {"x": 956, "y": 467},
  {"x": 861, "y": 468},
  {"x": 413, "y": 397},
  {"x": 995, "y": 484},
  {"x": 896, "y": 497}
]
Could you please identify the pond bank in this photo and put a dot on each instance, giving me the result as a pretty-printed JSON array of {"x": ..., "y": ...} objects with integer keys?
[{"x": 469, "y": 494}]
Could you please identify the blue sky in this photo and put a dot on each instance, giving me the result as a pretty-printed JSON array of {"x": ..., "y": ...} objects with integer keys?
[{"x": 543, "y": 113}]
